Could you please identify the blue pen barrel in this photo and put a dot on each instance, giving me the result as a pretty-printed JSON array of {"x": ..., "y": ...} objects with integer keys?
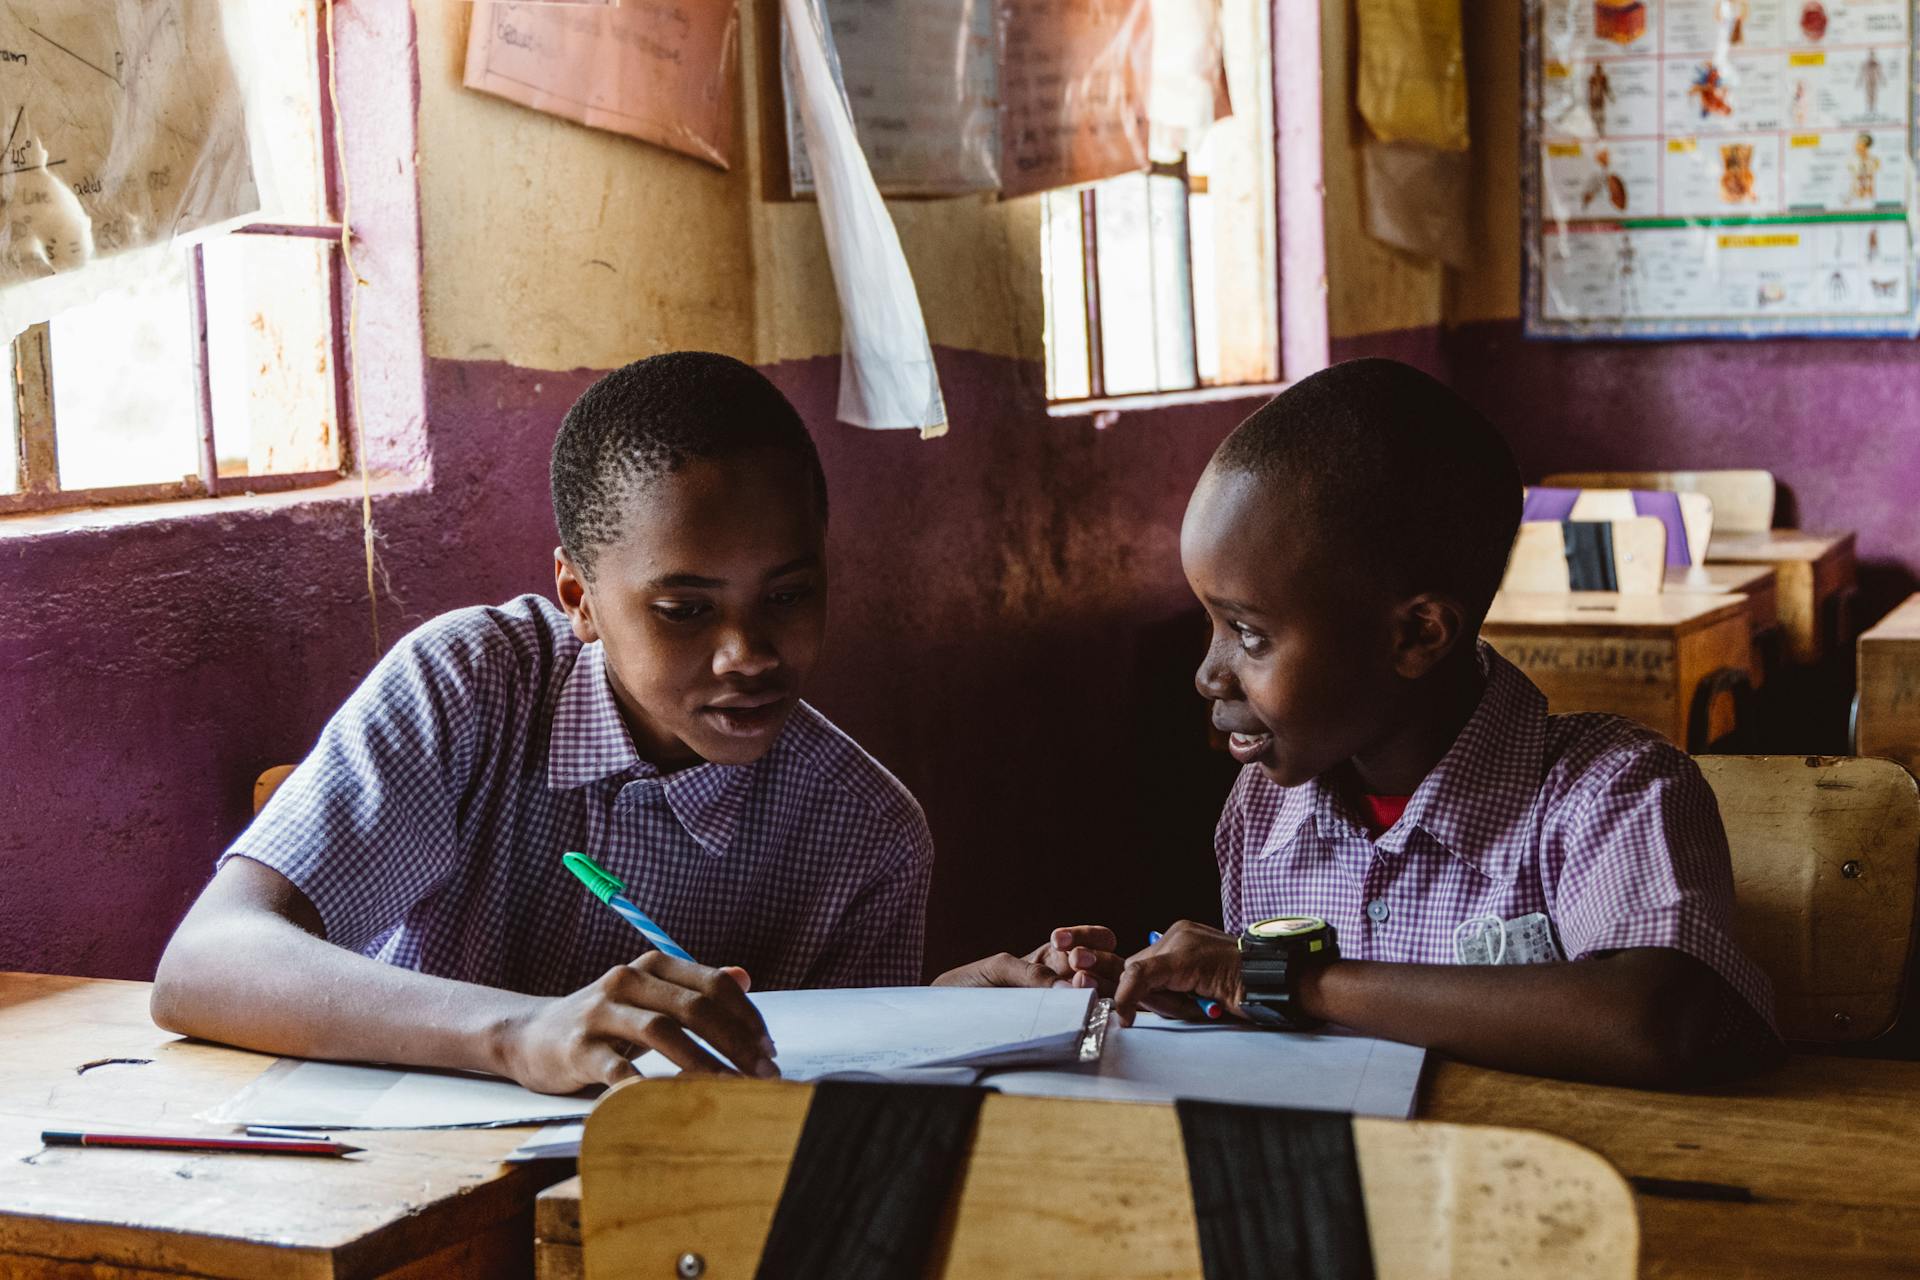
[{"x": 648, "y": 929}]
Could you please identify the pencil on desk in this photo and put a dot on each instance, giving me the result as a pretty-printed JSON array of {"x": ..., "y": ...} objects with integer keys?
[{"x": 187, "y": 1142}]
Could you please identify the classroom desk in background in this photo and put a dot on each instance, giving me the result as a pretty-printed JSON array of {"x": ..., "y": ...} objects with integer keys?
[
  {"x": 1643, "y": 657},
  {"x": 1887, "y": 722},
  {"x": 1811, "y": 1170},
  {"x": 82, "y": 1053},
  {"x": 1814, "y": 569}
]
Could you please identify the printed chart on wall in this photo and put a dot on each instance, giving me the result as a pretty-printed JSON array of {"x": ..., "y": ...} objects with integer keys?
[{"x": 1720, "y": 168}]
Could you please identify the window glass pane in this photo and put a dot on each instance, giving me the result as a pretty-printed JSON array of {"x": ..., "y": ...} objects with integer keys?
[
  {"x": 286, "y": 39},
  {"x": 1172, "y": 283},
  {"x": 9, "y": 429},
  {"x": 123, "y": 386},
  {"x": 1125, "y": 249},
  {"x": 1063, "y": 261},
  {"x": 1206, "y": 298},
  {"x": 271, "y": 351}
]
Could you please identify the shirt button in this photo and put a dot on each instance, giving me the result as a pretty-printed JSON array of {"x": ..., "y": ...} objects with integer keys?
[{"x": 1378, "y": 911}]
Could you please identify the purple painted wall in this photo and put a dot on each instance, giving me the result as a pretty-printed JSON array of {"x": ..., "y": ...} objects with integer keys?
[
  {"x": 1011, "y": 635},
  {"x": 1837, "y": 422}
]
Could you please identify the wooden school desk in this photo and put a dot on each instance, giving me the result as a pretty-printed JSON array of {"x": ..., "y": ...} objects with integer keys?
[
  {"x": 1814, "y": 568},
  {"x": 1643, "y": 657},
  {"x": 1760, "y": 584},
  {"x": 427, "y": 1204},
  {"x": 1887, "y": 721},
  {"x": 1812, "y": 1170}
]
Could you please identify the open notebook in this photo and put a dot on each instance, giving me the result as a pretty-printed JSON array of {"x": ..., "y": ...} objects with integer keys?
[{"x": 936, "y": 1034}]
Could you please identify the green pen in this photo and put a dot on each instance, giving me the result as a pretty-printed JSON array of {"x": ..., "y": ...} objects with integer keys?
[{"x": 612, "y": 892}]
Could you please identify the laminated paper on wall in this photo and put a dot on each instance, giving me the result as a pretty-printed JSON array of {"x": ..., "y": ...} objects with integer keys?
[
  {"x": 124, "y": 128},
  {"x": 1413, "y": 72},
  {"x": 887, "y": 377},
  {"x": 663, "y": 72},
  {"x": 923, "y": 82},
  {"x": 1188, "y": 90},
  {"x": 1719, "y": 168},
  {"x": 1074, "y": 78}
]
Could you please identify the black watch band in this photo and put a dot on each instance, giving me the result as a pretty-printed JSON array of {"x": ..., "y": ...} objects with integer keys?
[{"x": 1273, "y": 954}]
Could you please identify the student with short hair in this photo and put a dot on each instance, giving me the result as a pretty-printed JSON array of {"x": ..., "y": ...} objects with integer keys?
[
  {"x": 402, "y": 897},
  {"x": 1405, "y": 783}
]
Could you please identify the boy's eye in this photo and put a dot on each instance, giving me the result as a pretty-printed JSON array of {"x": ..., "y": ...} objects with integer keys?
[
  {"x": 1250, "y": 640},
  {"x": 679, "y": 610},
  {"x": 787, "y": 597}
]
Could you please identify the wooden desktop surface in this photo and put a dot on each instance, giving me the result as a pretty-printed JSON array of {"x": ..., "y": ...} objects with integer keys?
[
  {"x": 1810, "y": 1170},
  {"x": 1812, "y": 568},
  {"x": 80, "y": 1053}
]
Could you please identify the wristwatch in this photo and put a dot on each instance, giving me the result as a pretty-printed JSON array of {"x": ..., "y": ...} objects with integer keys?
[{"x": 1273, "y": 954}]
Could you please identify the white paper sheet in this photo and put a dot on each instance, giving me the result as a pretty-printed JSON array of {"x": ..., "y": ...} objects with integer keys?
[
  {"x": 877, "y": 1029},
  {"x": 331, "y": 1095},
  {"x": 1157, "y": 1060}
]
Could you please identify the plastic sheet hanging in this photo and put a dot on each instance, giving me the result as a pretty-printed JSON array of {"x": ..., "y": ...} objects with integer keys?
[
  {"x": 1074, "y": 85},
  {"x": 662, "y": 73},
  {"x": 126, "y": 132},
  {"x": 887, "y": 376}
]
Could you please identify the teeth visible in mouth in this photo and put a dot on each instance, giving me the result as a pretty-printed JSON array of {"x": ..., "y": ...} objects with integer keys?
[{"x": 1249, "y": 740}]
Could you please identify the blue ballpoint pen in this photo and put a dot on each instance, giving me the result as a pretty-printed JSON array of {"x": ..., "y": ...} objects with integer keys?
[
  {"x": 1212, "y": 1008},
  {"x": 611, "y": 892}
]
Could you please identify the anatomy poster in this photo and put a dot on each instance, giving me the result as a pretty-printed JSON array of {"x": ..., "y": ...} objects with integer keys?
[{"x": 1720, "y": 167}]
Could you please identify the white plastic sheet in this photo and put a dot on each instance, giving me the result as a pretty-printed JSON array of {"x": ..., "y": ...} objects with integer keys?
[
  {"x": 125, "y": 130},
  {"x": 887, "y": 377}
]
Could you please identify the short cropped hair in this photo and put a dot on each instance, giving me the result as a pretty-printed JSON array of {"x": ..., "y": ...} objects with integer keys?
[
  {"x": 1400, "y": 479},
  {"x": 650, "y": 419}
]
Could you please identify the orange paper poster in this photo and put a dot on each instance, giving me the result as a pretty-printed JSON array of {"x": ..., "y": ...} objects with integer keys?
[
  {"x": 1073, "y": 84},
  {"x": 662, "y": 71}
]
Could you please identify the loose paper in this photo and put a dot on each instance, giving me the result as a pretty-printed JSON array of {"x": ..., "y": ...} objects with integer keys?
[
  {"x": 1074, "y": 78},
  {"x": 662, "y": 71},
  {"x": 1720, "y": 167},
  {"x": 293, "y": 1094},
  {"x": 923, "y": 83},
  {"x": 1158, "y": 1060},
  {"x": 124, "y": 128},
  {"x": 887, "y": 375}
]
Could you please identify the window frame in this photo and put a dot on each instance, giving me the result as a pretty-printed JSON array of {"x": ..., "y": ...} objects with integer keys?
[
  {"x": 1300, "y": 257},
  {"x": 36, "y": 460}
]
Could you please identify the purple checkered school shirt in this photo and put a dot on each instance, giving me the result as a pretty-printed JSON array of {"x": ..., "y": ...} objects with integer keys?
[
  {"x": 428, "y": 823},
  {"x": 1598, "y": 823}
]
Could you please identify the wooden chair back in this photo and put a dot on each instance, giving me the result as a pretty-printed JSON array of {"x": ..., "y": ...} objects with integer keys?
[
  {"x": 1826, "y": 854},
  {"x": 1076, "y": 1188},
  {"x": 1613, "y": 503},
  {"x": 1539, "y": 561},
  {"x": 267, "y": 783},
  {"x": 1742, "y": 500}
]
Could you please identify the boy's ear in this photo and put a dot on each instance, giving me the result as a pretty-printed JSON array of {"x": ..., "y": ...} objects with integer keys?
[
  {"x": 1429, "y": 627},
  {"x": 570, "y": 585}
]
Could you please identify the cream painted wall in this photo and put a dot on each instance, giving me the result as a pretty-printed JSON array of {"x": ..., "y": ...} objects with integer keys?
[
  {"x": 1491, "y": 291},
  {"x": 552, "y": 246}
]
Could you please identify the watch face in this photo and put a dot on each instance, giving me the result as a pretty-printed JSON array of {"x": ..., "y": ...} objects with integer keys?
[{"x": 1286, "y": 927}]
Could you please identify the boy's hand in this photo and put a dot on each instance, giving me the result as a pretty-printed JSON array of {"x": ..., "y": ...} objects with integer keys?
[
  {"x": 1190, "y": 960},
  {"x": 568, "y": 1042},
  {"x": 1079, "y": 956}
]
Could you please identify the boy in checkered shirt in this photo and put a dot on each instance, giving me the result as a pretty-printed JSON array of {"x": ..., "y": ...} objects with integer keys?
[
  {"x": 1539, "y": 893},
  {"x": 402, "y": 899}
]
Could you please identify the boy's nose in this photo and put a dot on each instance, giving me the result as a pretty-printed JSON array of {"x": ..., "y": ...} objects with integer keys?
[
  {"x": 1213, "y": 680},
  {"x": 742, "y": 653}
]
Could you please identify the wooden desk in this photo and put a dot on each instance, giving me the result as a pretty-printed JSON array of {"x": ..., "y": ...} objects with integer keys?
[
  {"x": 1888, "y": 721},
  {"x": 1759, "y": 583},
  {"x": 423, "y": 1204},
  {"x": 1642, "y": 657},
  {"x": 1813, "y": 569},
  {"x": 1812, "y": 1170}
]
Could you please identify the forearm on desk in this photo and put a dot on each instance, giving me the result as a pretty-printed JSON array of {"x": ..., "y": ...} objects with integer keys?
[
  {"x": 1640, "y": 1017},
  {"x": 260, "y": 981}
]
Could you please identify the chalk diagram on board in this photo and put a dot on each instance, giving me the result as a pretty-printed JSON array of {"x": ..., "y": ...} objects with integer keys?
[{"x": 123, "y": 127}]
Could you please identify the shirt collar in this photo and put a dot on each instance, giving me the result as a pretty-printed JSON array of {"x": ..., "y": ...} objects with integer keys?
[
  {"x": 590, "y": 744},
  {"x": 1477, "y": 802}
]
